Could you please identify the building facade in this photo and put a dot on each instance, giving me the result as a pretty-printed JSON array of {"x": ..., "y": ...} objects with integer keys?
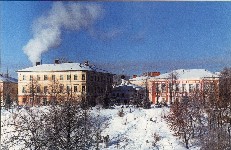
[
  {"x": 126, "y": 93},
  {"x": 8, "y": 89},
  {"x": 42, "y": 84},
  {"x": 172, "y": 86}
]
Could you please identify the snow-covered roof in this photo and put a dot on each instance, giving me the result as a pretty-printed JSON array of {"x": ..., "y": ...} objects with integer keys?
[
  {"x": 185, "y": 74},
  {"x": 128, "y": 84},
  {"x": 9, "y": 79},
  {"x": 182, "y": 74},
  {"x": 140, "y": 78},
  {"x": 62, "y": 67}
]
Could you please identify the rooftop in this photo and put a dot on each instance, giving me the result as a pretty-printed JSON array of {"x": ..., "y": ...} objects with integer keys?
[
  {"x": 8, "y": 79},
  {"x": 183, "y": 74},
  {"x": 62, "y": 67},
  {"x": 128, "y": 84}
]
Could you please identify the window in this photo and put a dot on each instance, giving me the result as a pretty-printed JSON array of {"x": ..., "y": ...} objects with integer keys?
[
  {"x": 177, "y": 87},
  {"x": 44, "y": 101},
  {"x": 23, "y": 90},
  {"x": 38, "y": 89},
  {"x": 31, "y": 77},
  {"x": 38, "y": 100},
  {"x": 38, "y": 77},
  {"x": 45, "y": 89},
  {"x": 110, "y": 80},
  {"x": 83, "y": 76},
  {"x": 45, "y": 77},
  {"x": 61, "y": 87},
  {"x": 61, "y": 77},
  {"x": 53, "y": 77},
  {"x": 68, "y": 88},
  {"x": 75, "y": 88},
  {"x": 83, "y": 88},
  {"x": 101, "y": 79},
  {"x": 183, "y": 87},
  {"x": 122, "y": 95},
  {"x": 68, "y": 77},
  {"x": 31, "y": 100},
  {"x": 75, "y": 77},
  {"x": 197, "y": 86},
  {"x": 91, "y": 78},
  {"x": 163, "y": 87},
  {"x": 23, "y": 77},
  {"x": 32, "y": 89},
  {"x": 190, "y": 87},
  {"x": 24, "y": 100},
  {"x": 157, "y": 87}
]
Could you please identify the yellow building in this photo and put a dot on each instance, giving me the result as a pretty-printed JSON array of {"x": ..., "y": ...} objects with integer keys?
[
  {"x": 8, "y": 87},
  {"x": 46, "y": 83}
]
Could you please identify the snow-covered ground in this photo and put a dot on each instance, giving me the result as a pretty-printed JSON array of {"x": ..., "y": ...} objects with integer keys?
[{"x": 135, "y": 130}]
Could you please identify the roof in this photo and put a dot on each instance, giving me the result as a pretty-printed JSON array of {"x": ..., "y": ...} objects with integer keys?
[
  {"x": 62, "y": 67},
  {"x": 140, "y": 78},
  {"x": 128, "y": 84},
  {"x": 9, "y": 79},
  {"x": 183, "y": 74}
]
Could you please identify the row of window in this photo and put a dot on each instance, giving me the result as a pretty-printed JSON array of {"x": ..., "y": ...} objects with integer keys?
[
  {"x": 162, "y": 87},
  {"x": 101, "y": 79},
  {"x": 54, "y": 77},
  {"x": 57, "y": 90},
  {"x": 68, "y": 77}
]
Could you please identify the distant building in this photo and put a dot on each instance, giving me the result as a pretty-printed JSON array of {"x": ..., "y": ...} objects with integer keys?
[
  {"x": 126, "y": 92},
  {"x": 173, "y": 85},
  {"x": 117, "y": 80},
  {"x": 45, "y": 83},
  {"x": 8, "y": 87},
  {"x": 141, "y": 80}
]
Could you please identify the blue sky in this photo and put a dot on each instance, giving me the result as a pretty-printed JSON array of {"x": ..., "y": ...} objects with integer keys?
[{"x": 129, "y": 37}]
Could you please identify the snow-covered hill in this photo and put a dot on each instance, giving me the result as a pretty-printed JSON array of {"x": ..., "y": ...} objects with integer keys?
[{"x": 134, "y": 129}]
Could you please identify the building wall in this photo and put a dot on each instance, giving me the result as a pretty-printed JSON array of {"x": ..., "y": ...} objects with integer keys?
[
  {"x": 184, "y": 87},
  {"x": 125, "y": 93},
  {"x": 79, "y": 83},
  {"x": 180, "y": 88},
  {"x": 8, "y": 88}
]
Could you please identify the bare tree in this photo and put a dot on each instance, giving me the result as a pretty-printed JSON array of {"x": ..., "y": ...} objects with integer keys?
[
  {"x": 173, "y": 76},
  {"x": 205, "y": 115},
  {"x": 63, "y": 125}
]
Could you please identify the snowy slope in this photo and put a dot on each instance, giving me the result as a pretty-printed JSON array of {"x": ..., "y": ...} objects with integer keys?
[{"x": 134, "y": 131}]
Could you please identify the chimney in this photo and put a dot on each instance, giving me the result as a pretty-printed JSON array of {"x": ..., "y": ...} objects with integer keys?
[
  {"x": 86, "y": 63},
  {"x": 37, "y": 63},
  {"x": 154, "y": 74},
  {"x": 56, "y": 61}
]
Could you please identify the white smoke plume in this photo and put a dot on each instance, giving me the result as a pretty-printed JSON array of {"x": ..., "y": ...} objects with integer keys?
[{"x": 48, "y": 28}]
